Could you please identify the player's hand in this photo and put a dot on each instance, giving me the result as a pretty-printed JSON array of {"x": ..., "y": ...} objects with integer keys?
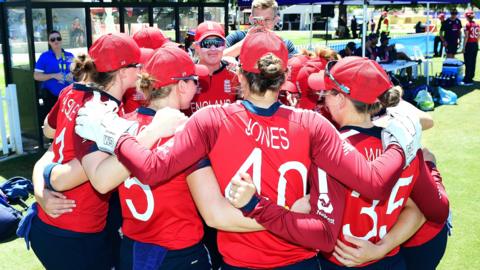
[
  {"x": 302, "y": 205},
  {"x": 99, "y": 122},
  {"x": 242, "y": 190},
  {"x": 429, "y": 156},
  {"x": 403, "y": 129},
  {"x": 366, "y": 251},
  {"x": 58, "y": 76},
  {"x": 55, "y": 203},
  {"x": 292, "y": 100},
  {"x": 166, "y": 122}
]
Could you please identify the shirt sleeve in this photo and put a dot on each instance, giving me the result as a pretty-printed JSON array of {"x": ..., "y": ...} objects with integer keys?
[
  {"x": 41, "y": 63},
  {"x": 374, "y": 180},
  {"x": 188, "y": 146},
  {"x": 291, "y": 48},
  {"x": 317, "y": 230},
  {"x": 235, "y": 37},
  {"x": 429, "y": 194}
]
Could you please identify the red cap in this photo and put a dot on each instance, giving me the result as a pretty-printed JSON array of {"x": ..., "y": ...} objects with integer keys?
[
  {"x": 145, "y": 55},
  {"x": 441, "y": 15},
  {"x": 171, "y": 44},
  {"x": 113, "y": 51},
  {"x": 310, "y": 67},
  {"x": 365, "y": 79},
  {"x": 469, "y": 14},
  {"x": 289, "y": 87},
  {"x": 295, "y": 64},
  {"x": 209, "y": 28},
  {"x": 258, "y": 44},
  {"x": 150, "y": 37},
  {"x": 168, "y": 63}
]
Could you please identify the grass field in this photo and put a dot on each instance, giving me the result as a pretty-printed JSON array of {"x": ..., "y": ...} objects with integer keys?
[{"x": 455, "y": 140}]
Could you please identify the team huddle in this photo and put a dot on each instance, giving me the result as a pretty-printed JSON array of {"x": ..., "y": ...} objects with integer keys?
[{"x": 307, "y": 162}]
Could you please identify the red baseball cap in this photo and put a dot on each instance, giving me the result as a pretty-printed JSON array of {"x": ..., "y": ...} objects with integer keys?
[
  {"x": 295, "y": 64},
  {"x": 114, "y": 51},
  {"x": 360, "y": 78},
  {"x": 209, "y": 28},
  {"x": 312, "y": 66},
  {"x": 145, "y": 55},
  {"x": 258, "y": 44},
  {"x": 150, "y": 37},
  {"x": 169, "y": 64},
  {"x": 289, "y": 87}
]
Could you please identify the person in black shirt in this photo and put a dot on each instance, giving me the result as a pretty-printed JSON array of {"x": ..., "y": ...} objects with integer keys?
[
  {"x": 370, "y": 47},
  {"x": 353, "y": 27},
  {"x": 349, "y": 50},
  {"x": 451, "y": 31}
]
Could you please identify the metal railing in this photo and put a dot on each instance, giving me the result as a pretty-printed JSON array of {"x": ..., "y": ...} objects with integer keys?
[{"x": 10, "y": 131}]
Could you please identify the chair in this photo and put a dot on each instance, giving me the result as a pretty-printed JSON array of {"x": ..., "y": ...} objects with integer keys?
[{"x": 426, "y": 61}]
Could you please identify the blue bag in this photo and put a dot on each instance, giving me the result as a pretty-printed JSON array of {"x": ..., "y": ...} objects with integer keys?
[
  {"x": 446, "y": 97},
  {"x": 9, "y": 219}
]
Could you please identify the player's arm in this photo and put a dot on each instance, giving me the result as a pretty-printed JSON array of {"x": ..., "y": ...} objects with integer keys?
[
  {"x": 105, "y": 171},
  {"x": 212, "y": 205},
  {"x": 48, "y": 131},
  {"x": 374, "y": 180},
  {"x": 465, "y": 33},
  {"x": 428, "y": 193},
  {"x": 409, "y": 221},
  {"x": 191, "y": 144},
  {"x": 307, "y": 230},
  {"x": 53, "y": 203},
  {"x": 426, "y": 120},
  {"x": 63, "y": 177},
  {"x": 233, "y": 45}
]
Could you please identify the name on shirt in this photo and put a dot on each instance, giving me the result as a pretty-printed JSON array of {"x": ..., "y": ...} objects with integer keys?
[
  {"x": 272, "y": 137},
  {"x": 195, "y": 106},
  {"x": 70, "y": 108},
  {"x": 372, "y": 153}
]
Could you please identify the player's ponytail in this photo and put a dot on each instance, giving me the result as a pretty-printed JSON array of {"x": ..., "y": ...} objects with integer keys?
[
  {"x": 271, "y": 76},
  {"x": 145, "y": 84},
  {"x": 82, "y": 67},
  {"x": 389, "y": 98}
]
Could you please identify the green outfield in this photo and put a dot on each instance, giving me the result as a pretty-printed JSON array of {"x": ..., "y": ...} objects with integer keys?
[{"x": 455, "y": 140}]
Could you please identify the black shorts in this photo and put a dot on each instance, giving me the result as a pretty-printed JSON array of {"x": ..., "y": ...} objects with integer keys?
[{"x": 452, "y": 47}]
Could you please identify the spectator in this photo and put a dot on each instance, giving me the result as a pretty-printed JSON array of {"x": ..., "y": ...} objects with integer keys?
[
  {"x": 370, "y": 47},
  {"x": 438, "y": 40},
  {"x": 419, "y": 28},
  {"x": 264, "y": 14},
  {"x": 383, "y": 24},
  {"x": 77, "y": 34},
  {"x": 349, "y": 50},
  {"x": 189, "y": 39},
  {"x": 470, "y": 47},
  {"x": 450, "y": 34},
  {"x": 372, "y": 25},
  {"x": 353, "y": 27},
  {"x": 53, "y": 70},
  {"x": 342, "y": 27},
  {"x": 384, "y": 51}
]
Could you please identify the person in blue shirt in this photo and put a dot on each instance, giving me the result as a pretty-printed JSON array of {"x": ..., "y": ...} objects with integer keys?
[{"x": 53, "y": 70}]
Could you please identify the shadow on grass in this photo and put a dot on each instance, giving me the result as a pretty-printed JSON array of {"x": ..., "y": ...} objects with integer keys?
[{"x": 19, "y": 166}]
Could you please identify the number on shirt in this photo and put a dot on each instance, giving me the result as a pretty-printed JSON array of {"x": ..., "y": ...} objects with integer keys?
[
  {"x": 149, "y": 196},
  {"x": 255, "y": 160},
  {"x": 370, "y": 211},
  {"x": 60, "y": 139}
]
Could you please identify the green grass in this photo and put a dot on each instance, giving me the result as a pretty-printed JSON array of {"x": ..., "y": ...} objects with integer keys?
[{"x": 455, "y": 142}]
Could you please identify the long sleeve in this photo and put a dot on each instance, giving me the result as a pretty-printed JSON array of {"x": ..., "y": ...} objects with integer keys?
[
  {"x": 374, "y": 180},
  {"x": 317, "y": 230},
  {"x": 429, "y": 194},
  {"x": 188, "y": 146}
]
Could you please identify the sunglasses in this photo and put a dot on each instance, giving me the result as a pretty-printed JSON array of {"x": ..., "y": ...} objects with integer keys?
[
  {"x": 193, "y": 78},
  {"x": 339, "y": 85},
  {"x": 133, "y": 66},
  {"x": 209, "y": 42},
  {"x": 55, "y": 38}
]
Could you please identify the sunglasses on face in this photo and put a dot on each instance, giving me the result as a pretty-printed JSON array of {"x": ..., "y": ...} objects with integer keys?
[
  {"x": 134, "y": 66},
  {"x": 339, "y": 85},
  {"x": 52, "y": 39},
  {"x": 193, "y": 78},
  {"x": 209, "y": 42}
]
